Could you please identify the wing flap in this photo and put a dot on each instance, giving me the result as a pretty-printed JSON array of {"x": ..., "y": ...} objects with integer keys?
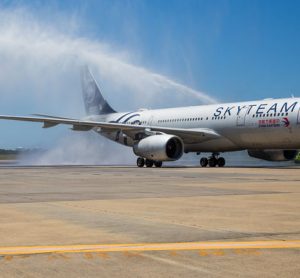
[
  {"x": 81, "y": 128},
  {"x": 48, "y": 125}
]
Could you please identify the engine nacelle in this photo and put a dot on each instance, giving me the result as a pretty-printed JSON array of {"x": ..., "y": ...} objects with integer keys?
[
  {"x": 162, "y": 147},
  {"x": 274, "y": 155}
]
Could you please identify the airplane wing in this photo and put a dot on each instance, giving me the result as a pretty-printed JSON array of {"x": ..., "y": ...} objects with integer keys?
[{"x": 189, "y": 136}]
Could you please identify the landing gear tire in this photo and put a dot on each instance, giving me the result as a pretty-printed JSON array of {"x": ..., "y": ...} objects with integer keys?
[
  {"x": 212, "y": 162},
  {"x": 149, "y": 163},
  {"x": 140, "y": 162},
  {"x": 158, "y": 164},
  {"x": 203, "y": 162},
  {"x": 221, "y": 162}
]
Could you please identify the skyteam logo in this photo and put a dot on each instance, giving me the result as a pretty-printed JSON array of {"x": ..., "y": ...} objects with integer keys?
[
  {"x": 286, "y": 122},
  {"x": 128, "y": 117}
]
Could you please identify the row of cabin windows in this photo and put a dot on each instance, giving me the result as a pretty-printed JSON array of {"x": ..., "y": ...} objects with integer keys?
[
  {"x": 214, "y": 118},
  {"x": 182, "y": 120},
  {"x": 258, "y": 116},
  {"x": 270, "y": 115},
  {"x": 221, "y": 118}
]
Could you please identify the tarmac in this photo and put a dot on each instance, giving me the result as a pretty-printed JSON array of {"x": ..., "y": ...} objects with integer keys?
[{"x": 80, "y": 221}]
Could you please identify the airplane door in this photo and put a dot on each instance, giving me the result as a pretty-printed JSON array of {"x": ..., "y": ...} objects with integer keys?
[
  {"x": 241, "y": 117},
  {"x": 298, "y": 117}
]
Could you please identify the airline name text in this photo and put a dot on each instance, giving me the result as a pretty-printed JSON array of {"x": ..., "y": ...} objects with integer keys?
[{"x": 262, "y": 108}]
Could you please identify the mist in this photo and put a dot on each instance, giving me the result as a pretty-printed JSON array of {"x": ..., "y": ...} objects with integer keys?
[
  {"x": 38, "y": 56},
  {"x": 78, "y": 148},
  {"x": 40, "y": 64}
]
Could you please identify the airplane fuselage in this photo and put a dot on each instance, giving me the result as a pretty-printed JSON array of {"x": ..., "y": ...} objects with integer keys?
[
  {"x": 269, "y": 129},
  {"x": 263, "y": 124}
]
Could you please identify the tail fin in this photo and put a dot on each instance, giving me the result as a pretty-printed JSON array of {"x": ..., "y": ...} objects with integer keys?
[{"x": 94, "y": 102}]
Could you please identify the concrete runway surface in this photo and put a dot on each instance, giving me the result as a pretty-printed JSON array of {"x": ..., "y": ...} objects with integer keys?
[{"x": 172, "y": 222}]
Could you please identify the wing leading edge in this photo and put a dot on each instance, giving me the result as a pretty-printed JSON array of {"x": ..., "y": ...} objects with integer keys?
[{"x": 189, "y": 136}]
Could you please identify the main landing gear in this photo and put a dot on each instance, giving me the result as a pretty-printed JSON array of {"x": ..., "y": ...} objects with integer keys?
[
  {"x": 213, "y": 161},
  {"x": 141, "y": 162}
]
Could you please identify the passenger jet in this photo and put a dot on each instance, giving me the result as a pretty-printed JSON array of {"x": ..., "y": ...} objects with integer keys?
[{"x": 268, "y": 129}]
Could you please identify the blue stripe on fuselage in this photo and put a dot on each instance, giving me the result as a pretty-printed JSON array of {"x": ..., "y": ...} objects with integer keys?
[
  {"x": 132, "y": 116},
  {"x": 119, "y": 119}
]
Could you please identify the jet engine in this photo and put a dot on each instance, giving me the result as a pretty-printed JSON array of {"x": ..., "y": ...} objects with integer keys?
[
  {"x": 274, "y": 155},
  {"x": 161, "y": 147}
]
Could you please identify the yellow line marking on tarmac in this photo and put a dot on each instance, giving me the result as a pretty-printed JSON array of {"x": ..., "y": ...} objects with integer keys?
[{"x": 180, "y": 246}]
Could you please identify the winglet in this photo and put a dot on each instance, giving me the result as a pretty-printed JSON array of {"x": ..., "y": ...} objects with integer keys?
[{"x": 95, "y": 104}]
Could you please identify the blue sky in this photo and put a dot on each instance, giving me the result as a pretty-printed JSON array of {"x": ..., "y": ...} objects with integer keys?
[
  {"x": 235, "y": 50},
  {"x": 232, "y": 50}
]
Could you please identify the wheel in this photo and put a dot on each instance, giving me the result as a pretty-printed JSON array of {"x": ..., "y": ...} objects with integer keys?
[
  {"x": 203, "y": 162},
  {"x": 149, "y": 163},
  {"x": 212, "y": 162},
  {"x": 158, "y": 164},
  {"x": 221, "y": 162},
  {"x": 140, "y": 162}
]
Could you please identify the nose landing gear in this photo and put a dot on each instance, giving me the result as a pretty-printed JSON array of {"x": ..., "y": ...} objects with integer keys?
[{"x": 213, "y": 161}]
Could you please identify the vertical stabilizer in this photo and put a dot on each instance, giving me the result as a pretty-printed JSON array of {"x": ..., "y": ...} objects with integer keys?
[{"x": 94, "y": 102}]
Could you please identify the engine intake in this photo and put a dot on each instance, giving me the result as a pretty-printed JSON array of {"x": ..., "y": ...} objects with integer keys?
[
  {"x": 274, "y": 155},
  {"x": 159, "y": 147}
]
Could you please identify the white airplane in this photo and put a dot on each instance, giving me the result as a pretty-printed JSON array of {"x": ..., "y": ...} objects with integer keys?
[{"x": 269, "y": 129}]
